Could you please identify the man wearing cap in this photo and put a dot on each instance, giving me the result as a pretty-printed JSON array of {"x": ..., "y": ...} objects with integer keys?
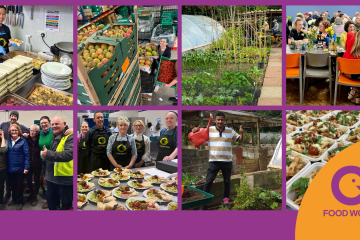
[
  {"x": 59, "y": 167},
  {"x": 14, "y": 117},
  {"x": 275, "y": 29},
  {"x": 307, "y": 17}
]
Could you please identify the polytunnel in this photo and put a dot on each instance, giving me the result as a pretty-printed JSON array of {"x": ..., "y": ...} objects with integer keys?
[{"x": 199, "y": 31}]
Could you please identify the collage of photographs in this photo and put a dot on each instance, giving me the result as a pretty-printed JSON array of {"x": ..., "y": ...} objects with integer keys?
[{"x": 144, "y": 126}]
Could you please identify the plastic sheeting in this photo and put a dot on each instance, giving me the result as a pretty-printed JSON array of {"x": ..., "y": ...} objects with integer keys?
[
  {"x": 276, "y": 160},
  {"x": 198, "y": 31}
]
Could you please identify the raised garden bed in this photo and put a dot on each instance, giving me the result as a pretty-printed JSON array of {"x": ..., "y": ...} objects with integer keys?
[{"x": 193, "y": 197}]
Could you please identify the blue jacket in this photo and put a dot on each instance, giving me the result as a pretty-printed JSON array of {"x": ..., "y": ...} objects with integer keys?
[{"x": 18, "y": 156}]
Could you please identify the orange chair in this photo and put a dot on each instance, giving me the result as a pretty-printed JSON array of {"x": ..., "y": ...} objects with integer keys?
[
  {"x": 348, "y": 66},
  {"x": 294, "y": 70}
]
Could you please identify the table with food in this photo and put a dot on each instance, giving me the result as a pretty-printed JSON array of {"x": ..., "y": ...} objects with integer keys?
[
  {"x": 126, "y": 189},
  {"x": 313, "y": 139}
]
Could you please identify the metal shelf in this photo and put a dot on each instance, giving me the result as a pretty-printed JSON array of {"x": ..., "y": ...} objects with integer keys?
[{"x": 95, "y": 19}]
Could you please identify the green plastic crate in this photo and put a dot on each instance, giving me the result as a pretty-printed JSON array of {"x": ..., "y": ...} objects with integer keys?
[
  {"x": 128, "y": 85},
  {"x": 133, "y": 15},
  {"x": 167, "y": 15},
  {"x": 147, "y": 17},
  {"x": 167, "y": 22},
  {"x": 199, "y": 202},
  {"x": 125, "y": 20},
  {"x": 157, "y": 72}
]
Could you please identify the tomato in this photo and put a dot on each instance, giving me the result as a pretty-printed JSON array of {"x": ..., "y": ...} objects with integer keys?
[
  {"x": 86, "y": 187},
  {"x": 313, "y": 151},
  {"x": 346, "y": 111},
  {"x": 311, "y": 134},
  {"x": 332, "y": 117},
  {"x": 315, "y": 122}
]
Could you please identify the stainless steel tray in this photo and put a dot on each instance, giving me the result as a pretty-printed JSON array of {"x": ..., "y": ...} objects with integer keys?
[
  {"x": 44, "y": 86},
  {"x": 13, "y": 96}
]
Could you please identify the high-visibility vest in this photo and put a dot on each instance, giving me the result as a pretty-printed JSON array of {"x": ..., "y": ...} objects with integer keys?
[{"x": 63, "y": 169}]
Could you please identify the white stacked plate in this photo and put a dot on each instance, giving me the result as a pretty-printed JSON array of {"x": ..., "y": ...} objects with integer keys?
[{"x": 56, "y": 75}]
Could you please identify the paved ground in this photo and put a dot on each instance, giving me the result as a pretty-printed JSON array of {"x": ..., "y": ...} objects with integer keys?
[
  {"x": 27, "y": 205},
  {"x": 271, "y": 91}
]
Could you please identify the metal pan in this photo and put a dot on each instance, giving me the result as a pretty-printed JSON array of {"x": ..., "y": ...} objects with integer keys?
[
  {"x": 13, "y": 97},
  {"x": 36, "y": 85}
]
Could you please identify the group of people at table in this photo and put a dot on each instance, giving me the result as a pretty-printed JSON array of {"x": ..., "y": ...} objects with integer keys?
[
  {"x": 36, "y": 153},
  {"x": 343, "y": 26},
  {"x": 99, "y": 147}
]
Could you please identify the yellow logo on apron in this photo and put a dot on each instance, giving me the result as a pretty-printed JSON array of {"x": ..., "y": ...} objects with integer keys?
[
  {"x": 4, "y": 41},
  {"x": 121, "y": 148},
  {"x": 102, "y": 140},
  {"x": 164, "y": 141},
  {"x": 84, "y": 144},
  {"x": 138, "y": 145}
]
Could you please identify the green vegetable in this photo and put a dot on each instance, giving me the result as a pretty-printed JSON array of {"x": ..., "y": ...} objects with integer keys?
[
  {"x": 338, "y": 116},
  {"x": 302, "y": 184},
  {"x": 288, "y": 162},
  {"x": 351, "y": 133},
  {"x": 295, "y": 134},
  {"x": 353, "y": 118},
  {"x": 288, "y": 152},
  {"x": 331, "y": 129},
  {"x": 338, "y": 149},
  {"x": 305, "y": 152},
  {"x": 316, "y": 112}
]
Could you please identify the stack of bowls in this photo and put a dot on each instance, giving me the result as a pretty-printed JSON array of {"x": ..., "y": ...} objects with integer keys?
[{"x": 56, "y": 75}]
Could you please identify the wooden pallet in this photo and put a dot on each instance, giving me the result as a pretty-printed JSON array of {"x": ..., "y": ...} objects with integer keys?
[{"x": 146, "y": 97}]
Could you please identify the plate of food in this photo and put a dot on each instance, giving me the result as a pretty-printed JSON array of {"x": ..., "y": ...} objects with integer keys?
[
  {"x": 84, "y": 177},
  {"x": 124, "y": 192},
  {"x": 297, "y": 120},
  {"x": 112, "y": 205},
  {"x": 294, "y": 163},
  {"x": 326, "y": 129},
  {"x": 100, "y": 173},
  {"x": 84, "y": 186},
  {"x": 170, "y": 187},
  {"x": 334, "y": 151},
  {"x": 353, "y": 136},
  {"x": 343, "y": 119},
  {"x": 156, "y": 179},
  {"x": 108, "y": 182},
  {"x": 309, "y": 144},
  {"x": 290, "y": 129},
  {"x": 137, "y": 174},
  {"x": 120, "y": 176},
  {"x": 100, "y": 196},
  {"x": 158, "y": 195},
  {"x": 140, "y": 203},
  {"x": 175, "y": 179},
  {"x": 140, "y": 184},
  {"x": 81, "y": 200},
  {"x": 172, "y": 206},
  {"x": 314, "y": 113}
]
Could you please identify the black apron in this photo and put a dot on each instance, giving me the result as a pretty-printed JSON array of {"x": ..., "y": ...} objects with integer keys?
[
  {"x": 166, "y": 145},
  {"x": 121, "y": 151},
  {"x": 5, "y": 37},
  {"x": 98, "y": 158},
  {"x": 140, "y": 147},
  {"x": 83, "y": 161}
]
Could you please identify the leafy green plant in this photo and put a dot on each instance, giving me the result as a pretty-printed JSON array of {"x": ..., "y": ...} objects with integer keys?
[
  {"x": 188, "y": 180},
  {"x": 270, "y": 198}
]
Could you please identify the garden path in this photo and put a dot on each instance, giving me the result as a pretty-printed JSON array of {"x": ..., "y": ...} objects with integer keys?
[{"x": 271, "y": 91}]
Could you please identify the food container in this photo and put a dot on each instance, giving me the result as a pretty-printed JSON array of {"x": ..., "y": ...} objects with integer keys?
[
  {"x": 346, "y": 135},
  {"x": 310, "y": 158},
  {"x": 16, "y": 41},
  {"x": 2, "y": 81},
  {"x": 11, "y": 85},
  {"x": 15, "y": 63},
  {"x": 302, "y": 127},
  {"x": 11, "y": 80},
  {"x": 305, "y": 128},
  {"x": 143, "y": 68},
  {"x": 10, "y": 98},
  {"x": 291, "y": 195},
  {"x": 333, "y": 147},
  {"x": 34, "y": 57},
  {"x": 335, "y": 113},
  {"x": 3, "y": 75},
  {"x": 306, "y": 161},
  {"x": 36, "y": 85},
  {"x": 25, "y": 60},
  {"x": 8, "y": 69},
  {"x": 20, "y": 75}
]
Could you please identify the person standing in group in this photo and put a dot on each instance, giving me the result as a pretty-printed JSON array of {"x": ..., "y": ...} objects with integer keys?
[
  {"x": 315, "y": 15},
  {"x": 35, "y": 164},
  {"x": 45, "y": 139},
  {"x": 121, "y": 148},
  {"x": 142, "y": 144},
  {"x": 220, "y": 138},
  {"x": 83, "y": 160},
  {"x": 3, "y": 167},
  {"x": 167, "y": 143},
  {"x": 59, "y": 167},
  {"x": 18, "y": 164},
  {"x": 14, "y": 117},
  {"x": 96, "y": 141}
]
